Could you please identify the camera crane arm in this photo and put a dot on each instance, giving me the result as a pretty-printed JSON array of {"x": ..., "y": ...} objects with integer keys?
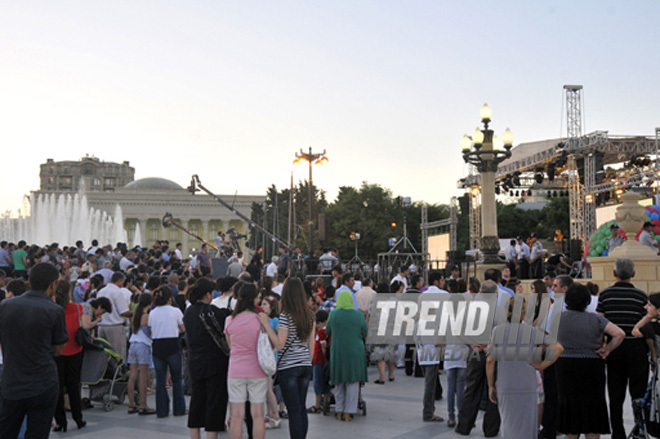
[
  {"x": 169, "y": 221},
  {"x": 196, "y": 185}
]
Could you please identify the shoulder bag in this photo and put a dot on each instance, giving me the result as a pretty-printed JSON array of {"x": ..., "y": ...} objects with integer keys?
[
  {"x": 214, "y": 330},
  {"x": 265, "y": 353},
  {"x": 83, "y": 336}
]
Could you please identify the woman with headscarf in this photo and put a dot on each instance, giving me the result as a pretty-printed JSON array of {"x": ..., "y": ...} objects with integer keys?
[{"x": 348, "y": 364}]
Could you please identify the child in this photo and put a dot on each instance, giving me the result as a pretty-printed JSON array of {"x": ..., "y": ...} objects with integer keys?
[
  {"x": 273, "y": 420},
  {"x": 321, "y": 386}
]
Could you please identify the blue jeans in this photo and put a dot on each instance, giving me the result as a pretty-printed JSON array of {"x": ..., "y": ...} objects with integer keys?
[
  {"x": 456, "y": 386},
  {"x": 174, "y": 362},
  {"x": 294, "y": 383}
]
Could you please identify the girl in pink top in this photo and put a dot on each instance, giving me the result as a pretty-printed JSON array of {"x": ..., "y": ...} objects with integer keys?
[{"x": 246, "y": 380}]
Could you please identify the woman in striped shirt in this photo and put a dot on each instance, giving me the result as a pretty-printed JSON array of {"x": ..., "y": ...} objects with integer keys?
[{"x": 295, "y": 342}]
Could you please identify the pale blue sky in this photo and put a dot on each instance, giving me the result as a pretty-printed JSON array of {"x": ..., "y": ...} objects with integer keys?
[{"x": 231, "y": 90}]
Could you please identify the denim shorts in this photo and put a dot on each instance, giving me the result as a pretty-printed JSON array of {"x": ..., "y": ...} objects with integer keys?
[
  {"x": 321, "y": 385},
  {"x": 139, "y": 353}
]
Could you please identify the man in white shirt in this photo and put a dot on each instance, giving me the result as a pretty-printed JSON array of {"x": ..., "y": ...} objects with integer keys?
[
  {"x": 279, "y": 284},
  {"x": 536, "y": 257},
  {"x": 365, "y": 296},
  {"x": 430, "y": 364},
  {"x": 511, "y": 255},
  {"x": 111, "y": 327},
  {"x": 126, "y": 261},
  {"x": 177, "y": 251},
  {"x": 646, "y": 238},
  {"x": 271, "y": 269},
  {"x": 402, "y": 277},
  {"x": 327, "y": 261},
  {"x": 523, "y": 259}
]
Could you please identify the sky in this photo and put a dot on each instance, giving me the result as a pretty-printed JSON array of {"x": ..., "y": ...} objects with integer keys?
[{"x": 231, "y": 90}]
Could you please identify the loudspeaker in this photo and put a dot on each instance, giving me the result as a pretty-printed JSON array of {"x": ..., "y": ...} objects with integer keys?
[
  {"x": 464, "y": 204},
  {"x": 576, "y": 250}
]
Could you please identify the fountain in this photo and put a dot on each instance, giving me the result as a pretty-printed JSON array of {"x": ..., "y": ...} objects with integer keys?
[
  {"x": 137, "y": 240},
  {"x": 64, "y": 219}
]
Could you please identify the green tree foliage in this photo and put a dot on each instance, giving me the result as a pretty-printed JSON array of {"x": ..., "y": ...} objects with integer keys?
[
  {"x": 513, "y": 221},
  {"x": 370, "y": 211},
  {"x": 273, "y": 215}
]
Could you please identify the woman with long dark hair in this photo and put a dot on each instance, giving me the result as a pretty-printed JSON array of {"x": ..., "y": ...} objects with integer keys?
[
  {"x": 207, "y": 362},
  {"x": 295, "y": 343},
  {"x": 166, "y": 323},
  {"x": 70, "y": 362},
  {"x": 246, "y": 379},
  {"x": 139, "y": 355}
]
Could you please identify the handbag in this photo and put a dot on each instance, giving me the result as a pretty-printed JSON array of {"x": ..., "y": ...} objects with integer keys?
[
  {"x": 265, "y": 354},
  {"x": 83, "y": 336}
]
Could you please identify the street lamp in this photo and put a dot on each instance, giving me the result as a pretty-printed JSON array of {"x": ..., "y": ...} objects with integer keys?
[
  {"x": 481, "y": 152},
  {"x": 318, "y": 160}
]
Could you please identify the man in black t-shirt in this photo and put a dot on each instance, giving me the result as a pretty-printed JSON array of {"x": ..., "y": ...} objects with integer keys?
[
  {"x": 623, "y": 305},
  {"x": 32, "y": 332}
]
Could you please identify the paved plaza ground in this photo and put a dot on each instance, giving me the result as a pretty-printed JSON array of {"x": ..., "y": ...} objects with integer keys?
[{"x": 394, "y": 411}]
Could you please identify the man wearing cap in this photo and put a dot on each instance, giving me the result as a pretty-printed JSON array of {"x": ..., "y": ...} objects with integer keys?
[
  {"x": 454, "y": 273},
  {"x": 615, "y": 240},
  {"x": 523, "y": 258},
  {"x": 646, "y": 238},
  {"x": 536, "y": 258}
]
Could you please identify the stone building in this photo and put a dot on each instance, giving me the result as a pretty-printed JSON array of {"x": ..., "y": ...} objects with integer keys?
[
  {"x": 89, "y": 172},
  {"x": 144, "y": 202}
]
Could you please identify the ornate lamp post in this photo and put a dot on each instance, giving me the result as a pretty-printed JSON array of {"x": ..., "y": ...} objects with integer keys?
[
  {"x": 318, "y": 159},
  {"x": 483, "y": 151}
]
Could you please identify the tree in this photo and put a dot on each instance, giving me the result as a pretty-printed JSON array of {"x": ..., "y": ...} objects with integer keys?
[{"x": 369, "y": 211}]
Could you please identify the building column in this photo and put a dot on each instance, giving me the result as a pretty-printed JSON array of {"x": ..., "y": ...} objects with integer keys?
[
  {"x": 142, "y": 222},
  {"x": 204, "y": 233}
]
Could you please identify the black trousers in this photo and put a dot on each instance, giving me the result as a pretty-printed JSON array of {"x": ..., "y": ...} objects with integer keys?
[
  {"x": 537, "y": 269},
  {"x": 524, "y": 269},
  {"x": 208, "y": 404},
  {"x": 68, "y": 368},
  {"x": 626, "y": 366},
  {"x": 549, "y": 420},
  {"x": 39, "y": 410},
  {"x": 475, "y": 384}
]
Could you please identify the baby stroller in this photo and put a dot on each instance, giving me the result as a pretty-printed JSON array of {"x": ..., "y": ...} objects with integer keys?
[
  {"x": 646, "y": 412},
  {"x": 106, "y": 374}
]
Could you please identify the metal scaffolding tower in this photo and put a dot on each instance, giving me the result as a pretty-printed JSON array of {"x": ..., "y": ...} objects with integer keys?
[{"x": 581, "y": 214}]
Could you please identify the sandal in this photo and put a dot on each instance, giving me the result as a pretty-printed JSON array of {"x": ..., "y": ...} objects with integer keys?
[
  {"x": 314, "y": 409},
  {"x": 272, "y": 424},
  {"x": 379, "y": 382},
  {"x": 435, "y": 419},
  {"x": 284, "y": 415},
  {"x": 132, "y": 410},
  {"x": 146, "y": 411}
]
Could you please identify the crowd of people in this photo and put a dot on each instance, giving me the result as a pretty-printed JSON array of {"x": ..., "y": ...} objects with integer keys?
[{"x": 199, "y": 334}]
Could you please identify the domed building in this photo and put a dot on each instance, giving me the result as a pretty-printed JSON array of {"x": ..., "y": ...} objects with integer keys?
[{"x": 145, "y": 201}]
